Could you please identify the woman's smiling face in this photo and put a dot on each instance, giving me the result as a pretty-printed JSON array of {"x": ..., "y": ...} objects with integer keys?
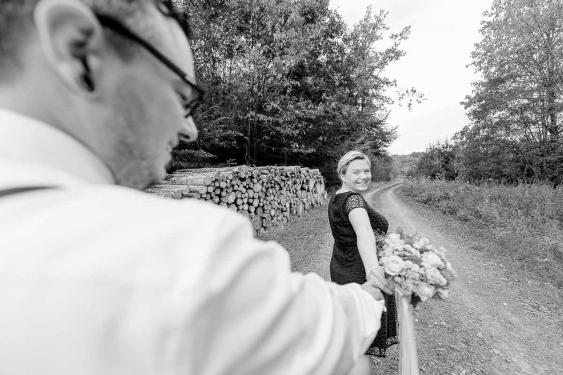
[{"x": 357, "y": 176}]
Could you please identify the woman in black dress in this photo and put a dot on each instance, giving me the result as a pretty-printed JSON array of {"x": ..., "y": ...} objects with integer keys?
[{"x": 358, "y": 230}]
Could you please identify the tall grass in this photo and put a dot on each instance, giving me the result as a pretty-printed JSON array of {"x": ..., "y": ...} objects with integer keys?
[{"x": 526, "y": 221}]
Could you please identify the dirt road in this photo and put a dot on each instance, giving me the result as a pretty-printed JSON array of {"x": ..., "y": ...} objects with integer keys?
[{"x": 496, "y": 320}]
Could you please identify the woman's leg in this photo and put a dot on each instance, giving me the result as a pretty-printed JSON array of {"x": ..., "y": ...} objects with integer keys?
[{"x": 362, "y": 367}]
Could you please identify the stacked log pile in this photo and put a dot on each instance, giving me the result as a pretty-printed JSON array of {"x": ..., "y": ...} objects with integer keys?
[{"x": 267, "y": 195}]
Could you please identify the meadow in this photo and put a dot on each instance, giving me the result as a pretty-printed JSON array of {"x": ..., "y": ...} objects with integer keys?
[{"x": 523, "y": 222}]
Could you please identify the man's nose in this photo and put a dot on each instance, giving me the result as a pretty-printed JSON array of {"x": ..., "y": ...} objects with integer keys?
[{"x": 189, "y": 130}]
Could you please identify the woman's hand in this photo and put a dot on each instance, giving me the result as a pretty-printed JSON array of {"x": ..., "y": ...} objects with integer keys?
[
  {"x": 373, "y": 290},
  {"x": 377, "y": 276}
]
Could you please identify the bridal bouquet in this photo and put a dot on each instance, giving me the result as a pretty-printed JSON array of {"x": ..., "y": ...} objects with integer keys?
[
  {"x": 416, "y": 270},
  {"x": 414, "y": 266}
]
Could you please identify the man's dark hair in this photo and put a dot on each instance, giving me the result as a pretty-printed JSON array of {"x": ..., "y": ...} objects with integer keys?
[
  {"x": 16, "y": 22},
  {"x": 16, "y": 18}
]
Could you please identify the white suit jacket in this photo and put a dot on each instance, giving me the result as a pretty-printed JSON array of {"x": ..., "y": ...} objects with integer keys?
[{"x": 101, "y": 279}]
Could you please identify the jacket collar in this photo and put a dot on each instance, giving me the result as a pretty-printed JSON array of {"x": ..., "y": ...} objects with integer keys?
[{"x": 40, "y": 153}]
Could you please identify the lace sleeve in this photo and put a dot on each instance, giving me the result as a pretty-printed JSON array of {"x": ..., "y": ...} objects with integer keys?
[{"x": 354, "y": 201}]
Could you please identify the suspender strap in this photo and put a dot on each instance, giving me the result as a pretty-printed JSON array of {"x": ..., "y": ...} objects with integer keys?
[{"x": 25, "y": 189}]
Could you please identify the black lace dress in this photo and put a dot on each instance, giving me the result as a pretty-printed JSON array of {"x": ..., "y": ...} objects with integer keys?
[{"x": 346, "y": 265}]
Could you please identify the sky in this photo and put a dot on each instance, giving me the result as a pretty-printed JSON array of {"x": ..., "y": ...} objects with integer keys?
[{"x": 443, "y": 34}]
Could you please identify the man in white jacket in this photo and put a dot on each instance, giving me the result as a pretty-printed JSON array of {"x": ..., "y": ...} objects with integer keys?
[{"x": 98, "y": 278}]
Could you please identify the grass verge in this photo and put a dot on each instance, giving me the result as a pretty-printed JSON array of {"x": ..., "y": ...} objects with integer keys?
[
  {"x": 524, "y": 223},
  {"x": 308, "y": 241}
]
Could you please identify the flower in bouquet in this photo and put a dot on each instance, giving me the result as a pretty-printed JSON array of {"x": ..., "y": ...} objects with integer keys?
[
  {"x": 416, "y": 267},
  {"x": 434, "y": 276},
  {"x": 420, "y": 243},
  {"x": 394, "y": 240},
  {"x": 393, "y": 265},
  {"x": 412, "y": 271},
  {"x": 432, "y": 260},
  {"x": 443, "y": 293},
  {"x": 424, "y": 291}
]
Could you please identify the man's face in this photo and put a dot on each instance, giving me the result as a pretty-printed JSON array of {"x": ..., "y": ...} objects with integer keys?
[{"x": 147, "y": 105}]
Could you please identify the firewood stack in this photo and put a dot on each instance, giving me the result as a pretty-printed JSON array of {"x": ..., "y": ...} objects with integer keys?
[{"x": 267, "y": 195}]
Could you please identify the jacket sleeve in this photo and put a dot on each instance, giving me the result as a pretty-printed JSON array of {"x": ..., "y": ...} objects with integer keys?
[{"x": 255, "y": 316}]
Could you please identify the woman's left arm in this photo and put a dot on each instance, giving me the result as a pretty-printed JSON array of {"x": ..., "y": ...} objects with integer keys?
[
  {"x": 367, "y": 248},
  {"x": 365, "y": 238}
]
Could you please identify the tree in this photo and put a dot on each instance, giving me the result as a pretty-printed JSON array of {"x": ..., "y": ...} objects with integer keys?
[
  {"x": 516, "y": 106},
  {"x": 438, "y": 161},
  {"x": 289, "y": 83},
  {"x": 405, "y": 165}
]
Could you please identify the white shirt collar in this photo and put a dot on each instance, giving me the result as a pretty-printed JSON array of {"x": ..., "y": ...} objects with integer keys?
[{"x": 37, "y": 145}]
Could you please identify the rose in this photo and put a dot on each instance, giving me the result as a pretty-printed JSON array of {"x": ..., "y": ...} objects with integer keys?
[
  {"x": 411, "y": 250},
  {"x": 406, "y": 250},
  {"x": 443, "y": 293},
  {"x": 421, "y": 243},
  {"x": 424, "y": 291},
  {"x": 392, "y": 265},
  {"x": 387, "y": 251},
  {"x": 394, "y": 240},
  {"x": 435, "y": 277},
  {"x": 412, "y": 266},
  {"x": 430, "y": 259}
]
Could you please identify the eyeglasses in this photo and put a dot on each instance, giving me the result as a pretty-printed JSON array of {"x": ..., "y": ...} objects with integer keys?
[{"x": 116, "y": 26}]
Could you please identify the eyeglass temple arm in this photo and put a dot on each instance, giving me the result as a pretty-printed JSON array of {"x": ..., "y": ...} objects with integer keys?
[{"x": 116, "y": 26}]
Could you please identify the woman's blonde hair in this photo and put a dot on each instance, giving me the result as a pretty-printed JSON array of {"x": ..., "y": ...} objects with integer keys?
[{"x": 349, "y": 157}]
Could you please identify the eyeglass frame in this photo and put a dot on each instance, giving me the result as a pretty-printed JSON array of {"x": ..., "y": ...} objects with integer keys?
[{"x": 118, "y": 27}]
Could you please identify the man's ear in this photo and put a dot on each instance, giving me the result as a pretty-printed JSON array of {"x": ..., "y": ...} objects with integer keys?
[{"x": 72, "y": 39}]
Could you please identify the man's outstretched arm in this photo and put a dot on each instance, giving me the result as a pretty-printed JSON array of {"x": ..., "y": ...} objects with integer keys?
[{"x": 257, "y": 317}]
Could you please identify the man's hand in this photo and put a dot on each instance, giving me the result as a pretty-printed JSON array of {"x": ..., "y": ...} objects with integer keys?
[
  {"x": 373, "y": 290},
  {"x": 377, "y": 276}
]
